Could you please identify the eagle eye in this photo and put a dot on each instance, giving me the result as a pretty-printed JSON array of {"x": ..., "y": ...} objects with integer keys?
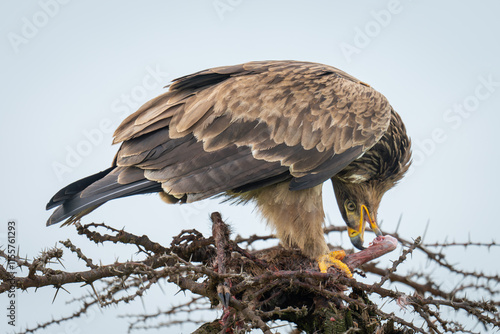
[{"x": 350, "y": 205}]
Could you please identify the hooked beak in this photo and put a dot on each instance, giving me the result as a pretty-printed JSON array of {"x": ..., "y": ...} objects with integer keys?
[{"x": 357, "y": 236}]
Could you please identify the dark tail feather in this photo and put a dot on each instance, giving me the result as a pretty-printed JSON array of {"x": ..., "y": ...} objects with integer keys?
[
  {"x": 73, "y": 204},
  {"x": 74, "y": 188}
]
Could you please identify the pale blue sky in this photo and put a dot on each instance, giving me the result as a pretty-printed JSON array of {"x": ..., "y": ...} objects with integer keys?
[{"x": 71, "y": 70}]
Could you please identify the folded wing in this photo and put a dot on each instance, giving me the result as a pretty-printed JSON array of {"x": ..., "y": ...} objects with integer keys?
[{"x": 239, "y": 128}]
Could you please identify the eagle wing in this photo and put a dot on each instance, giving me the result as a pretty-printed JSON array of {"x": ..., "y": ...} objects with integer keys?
[
  {"x": 246, "y": 126},
  {"x": 236, "y": 128}
]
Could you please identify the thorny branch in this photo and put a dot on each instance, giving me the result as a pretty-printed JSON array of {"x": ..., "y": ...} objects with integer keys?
[{"x": 257, "y": 287}]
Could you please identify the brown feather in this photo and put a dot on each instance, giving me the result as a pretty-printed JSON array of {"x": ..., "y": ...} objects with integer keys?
[{"x": 269, "y": 131}]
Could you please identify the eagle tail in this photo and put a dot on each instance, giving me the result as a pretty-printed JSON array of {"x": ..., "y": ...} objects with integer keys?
[{"x": 83, "y": 196}]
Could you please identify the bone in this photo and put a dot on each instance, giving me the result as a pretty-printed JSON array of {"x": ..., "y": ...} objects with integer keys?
[{"x": 381, "y": 245}]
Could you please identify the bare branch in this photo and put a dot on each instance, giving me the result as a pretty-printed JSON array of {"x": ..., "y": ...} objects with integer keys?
[{"x": 258, "y": 287}]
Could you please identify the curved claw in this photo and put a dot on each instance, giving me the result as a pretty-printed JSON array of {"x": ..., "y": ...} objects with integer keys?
[
  {"x": 333, "y": 259},
  {"x": 224, "y": 294}
]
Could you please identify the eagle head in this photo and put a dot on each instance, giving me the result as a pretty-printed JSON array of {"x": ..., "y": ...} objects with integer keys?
[{"x": 358, "y": 203}]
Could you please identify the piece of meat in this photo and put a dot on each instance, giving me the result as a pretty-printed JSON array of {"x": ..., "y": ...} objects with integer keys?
[{"x": 381, "y": 245}]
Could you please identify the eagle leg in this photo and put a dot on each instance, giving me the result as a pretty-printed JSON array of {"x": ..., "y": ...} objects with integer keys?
[{"x": 334, "y": 259}]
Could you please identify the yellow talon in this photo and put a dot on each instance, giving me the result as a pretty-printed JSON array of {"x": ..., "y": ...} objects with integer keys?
[{"x": 334, "y": 259}]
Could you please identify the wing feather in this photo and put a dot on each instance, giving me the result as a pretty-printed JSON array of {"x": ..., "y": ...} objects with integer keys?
[{"x": 238, "y": 126}]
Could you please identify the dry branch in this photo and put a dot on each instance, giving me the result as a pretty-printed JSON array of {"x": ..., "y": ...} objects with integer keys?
[{"x": 256, "y": 288}]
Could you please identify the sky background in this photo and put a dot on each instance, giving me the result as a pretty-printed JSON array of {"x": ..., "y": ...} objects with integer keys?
[{"x": 72, "y": 70}]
